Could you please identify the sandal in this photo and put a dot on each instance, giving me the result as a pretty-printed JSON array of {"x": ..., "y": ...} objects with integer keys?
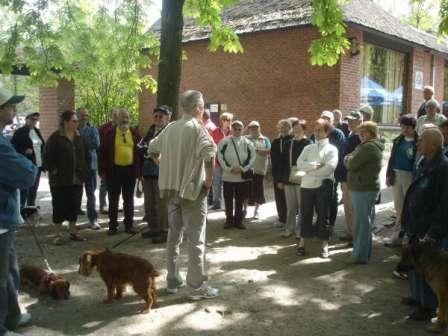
[
  {"x": 300, "y": 251},
  {"x": 76, "y": 237}
]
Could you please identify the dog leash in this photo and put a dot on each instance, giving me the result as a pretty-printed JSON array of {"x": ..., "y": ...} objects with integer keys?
[
  {"x": 203, "y": 192},
  {"x": 39, "y": 246}
]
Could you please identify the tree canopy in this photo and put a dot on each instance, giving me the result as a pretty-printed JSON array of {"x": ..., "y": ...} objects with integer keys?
[{"x": 103, "y": 50}]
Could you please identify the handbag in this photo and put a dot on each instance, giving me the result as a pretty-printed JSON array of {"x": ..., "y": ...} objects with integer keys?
[
  {"x": 248, "y": 174},
  {"x": 295, "y": 175}
]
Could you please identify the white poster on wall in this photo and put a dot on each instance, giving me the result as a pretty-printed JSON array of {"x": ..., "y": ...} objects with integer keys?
[{"x": 419, "y": 79}]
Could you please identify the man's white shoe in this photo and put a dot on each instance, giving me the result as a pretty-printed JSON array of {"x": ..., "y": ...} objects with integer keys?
[
  {"x": 25, "y": 318},
  {"x": 204, "y": 292},
  {"x": 94, "y": 225},
  {"x": 287, "y": 234},
  {"x": 174, "y": 290}
]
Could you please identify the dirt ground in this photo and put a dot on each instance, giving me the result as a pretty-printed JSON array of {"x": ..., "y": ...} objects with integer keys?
[{"x": 265, "y": 288}]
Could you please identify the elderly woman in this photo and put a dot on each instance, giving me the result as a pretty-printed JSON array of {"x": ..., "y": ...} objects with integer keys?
[
  {"x": 236, "y": 154},
  {"x": 67, "y": 161},
  {"x": 292, "y": 190},
  {"x": 364, "y": 165},
  {"x": 262, "y": 148},
  {"x": 432, "y": 116},
  {"x": 279, "y": 157},
  {"x": 318, "y": 161}
]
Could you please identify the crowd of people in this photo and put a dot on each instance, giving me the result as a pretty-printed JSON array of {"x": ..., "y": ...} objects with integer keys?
[{"x": 191, "y": 165}]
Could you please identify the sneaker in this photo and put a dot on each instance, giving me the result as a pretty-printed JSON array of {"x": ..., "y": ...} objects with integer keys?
[
  {"x": 204, "y": 292},
  {"x": 324, "y": 253},
  {"x": 287, "y": 234},
  {"x": 94, "y": 225},
  {"x": 399, "y": 274},
  {"x": 25, "y": 318},
  {"x": 175, "y": 289}
]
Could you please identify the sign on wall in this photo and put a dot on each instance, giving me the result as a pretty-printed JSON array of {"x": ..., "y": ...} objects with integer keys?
[{"x": 418, "y": 79}]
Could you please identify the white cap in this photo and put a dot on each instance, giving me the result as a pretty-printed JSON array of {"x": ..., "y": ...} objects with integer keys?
[
  {"x": 328, "y": 115},
  {"x": 254, "y": 123}
]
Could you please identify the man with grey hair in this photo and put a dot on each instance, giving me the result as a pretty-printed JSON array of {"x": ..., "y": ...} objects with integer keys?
[
  {"x": 186, "y": 154},
  {"x": 431, "y": 117},
  {"x": 424, "y": 215},
  {"x": 428, "y": 93}
]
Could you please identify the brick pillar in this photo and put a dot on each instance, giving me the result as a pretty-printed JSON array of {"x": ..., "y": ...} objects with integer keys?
[
  {"x": 53, "y": 101},
  {"x": 350, "y": 76}
]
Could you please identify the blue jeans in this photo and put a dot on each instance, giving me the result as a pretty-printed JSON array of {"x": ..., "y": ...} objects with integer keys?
[
  {"x": 217, "y": 186},
  {"x": 363, "y": 203},
  {"x": 9, "y": 305},
  {"x": 90, "y": 186},
  {"x": 419, "y": 288}
]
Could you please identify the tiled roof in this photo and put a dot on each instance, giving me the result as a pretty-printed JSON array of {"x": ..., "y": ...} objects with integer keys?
[{"x": 249, "y": 16}]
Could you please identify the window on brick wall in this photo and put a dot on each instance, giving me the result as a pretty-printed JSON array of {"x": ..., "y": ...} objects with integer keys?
[
  {"x": 445, "y": 90},
  {"x": 382, "y": 82}
]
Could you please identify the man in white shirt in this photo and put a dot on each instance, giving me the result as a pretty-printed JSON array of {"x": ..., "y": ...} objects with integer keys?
[
  {"x": 431, "y": 117},
  {"x": 186, "y": 153}
]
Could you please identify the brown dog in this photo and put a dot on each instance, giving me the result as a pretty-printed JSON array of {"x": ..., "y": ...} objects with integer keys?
[
  {"x": 44, "y": 282},
  {"x": 432, "y": 263},
  {"x": 118, "y": 270}
]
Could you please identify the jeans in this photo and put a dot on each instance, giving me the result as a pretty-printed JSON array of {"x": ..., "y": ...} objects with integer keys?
[
  {"x": 9, "y": 305},
  {"x": 363, "y": 204},
  {"x": 315, "y": 199},
  {"x": 187, "y": 217},
  {"x": 217, "y": 186},
  {"x": 90, "y": 187},
  {"x": 419, "y": 288},
  {"x": 28, "y": 196},
  {"x": 103, "y": 194},
  {"x": 292, "y": 195}
]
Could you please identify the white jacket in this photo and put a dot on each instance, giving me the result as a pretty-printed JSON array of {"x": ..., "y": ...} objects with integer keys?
[
  {"x": 228, "y": 159},
  {"x": 184, "y": 145},
  {"x": 321, "y": 152}
]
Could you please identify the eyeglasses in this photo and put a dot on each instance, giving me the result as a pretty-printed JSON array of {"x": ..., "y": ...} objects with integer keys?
[{"x": 237, "y": 129}]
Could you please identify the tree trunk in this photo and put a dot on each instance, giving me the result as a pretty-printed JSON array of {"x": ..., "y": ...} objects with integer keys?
[{"x": 170, "y": 61}]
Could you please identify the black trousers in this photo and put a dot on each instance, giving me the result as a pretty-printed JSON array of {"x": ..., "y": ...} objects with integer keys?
[
  {"x": 280, "y": 203},
  {"x": 122, "y": 182},
  {"x": 333, "y": 204},
  {"x": 316, "y": 199},
  {"x": 237, "y": 191}
]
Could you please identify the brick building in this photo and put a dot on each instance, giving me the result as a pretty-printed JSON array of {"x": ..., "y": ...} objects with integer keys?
[{"x": 387, "y": 66}]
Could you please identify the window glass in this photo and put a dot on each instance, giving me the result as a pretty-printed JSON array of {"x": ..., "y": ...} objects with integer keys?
[{"x": 382, "y": 82}]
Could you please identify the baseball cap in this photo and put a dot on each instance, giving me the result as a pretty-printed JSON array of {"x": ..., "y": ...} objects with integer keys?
[
  {"x": 354, "y": 115},
  {"x": 253, "y": 123},
  {"x": 237, "y": 122},
  {"x": 366, "y": 109},
  {"x": 7, "y": 97},
  {"x": 32, "y": 115}
]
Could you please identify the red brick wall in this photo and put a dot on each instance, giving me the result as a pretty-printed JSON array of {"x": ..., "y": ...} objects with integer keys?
[
  {"x": 350, "y": 83},
  {"x": 53, "y": 101},
  {"x": 272, "y": 79},
  {"x": 439, "y": 77}
]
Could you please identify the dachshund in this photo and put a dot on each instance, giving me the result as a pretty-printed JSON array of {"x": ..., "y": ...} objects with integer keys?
[
  {"x": 118, "y": 270},
  {"x": 46, "y": 283}
]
